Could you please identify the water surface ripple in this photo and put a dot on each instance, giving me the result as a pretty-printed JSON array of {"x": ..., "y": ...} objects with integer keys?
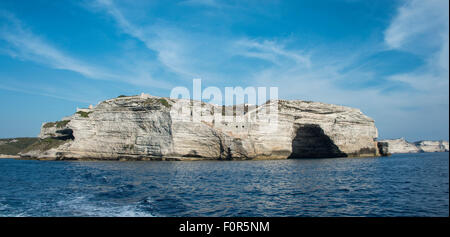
[{"x": 400, "y": 185}]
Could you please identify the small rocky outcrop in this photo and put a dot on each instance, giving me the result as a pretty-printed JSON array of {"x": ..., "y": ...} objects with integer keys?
[
  {"x": 432, "y": 146},
  {"x": 383, "y": 148},
  {"x": 147, "y": 127},
  {"x": 402, "y": 146}
]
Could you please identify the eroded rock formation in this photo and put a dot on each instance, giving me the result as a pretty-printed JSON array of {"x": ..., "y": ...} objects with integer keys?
[
  {"x": 402, "y": 146},
  {"x": 149, "y": 127},
  {"x": 432, "y": 146}
]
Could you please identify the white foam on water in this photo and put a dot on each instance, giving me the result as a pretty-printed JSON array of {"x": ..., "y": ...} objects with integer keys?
[
  {"x": 5, "y": 208},
  {"x": 82, "y": 206}
]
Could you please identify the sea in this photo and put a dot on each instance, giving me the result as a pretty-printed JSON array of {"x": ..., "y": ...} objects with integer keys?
[{"x": 398, "y": 185}]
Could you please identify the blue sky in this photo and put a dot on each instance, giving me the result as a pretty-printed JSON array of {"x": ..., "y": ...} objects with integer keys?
[{"x": 387, "y": 58}]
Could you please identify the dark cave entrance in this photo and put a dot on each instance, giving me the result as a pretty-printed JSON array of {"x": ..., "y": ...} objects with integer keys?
[
  {"x": 65, "y": 134},
  {"x": 310, "y": 141}
]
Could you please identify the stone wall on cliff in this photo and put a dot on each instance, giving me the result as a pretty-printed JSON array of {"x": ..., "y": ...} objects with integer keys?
[{"x": 149, "y": 127}]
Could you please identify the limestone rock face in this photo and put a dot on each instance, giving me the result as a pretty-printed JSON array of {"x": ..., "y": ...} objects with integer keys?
[
  {"x": 148, "y": 127},
  {"x": 402, "y": 146},
  {"x": 58, "y": 130},
  {"x": 432, "y": 146}
]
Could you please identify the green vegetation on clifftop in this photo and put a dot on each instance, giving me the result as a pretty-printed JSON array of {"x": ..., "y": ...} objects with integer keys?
[
  {"x": 12, "y": 146},
  {"x": 58, "y": 124},
  {"x": 44, "y": 144}
]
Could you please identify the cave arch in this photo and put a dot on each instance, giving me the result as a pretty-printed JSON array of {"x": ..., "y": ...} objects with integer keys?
[{"x": 310, "y": 141}]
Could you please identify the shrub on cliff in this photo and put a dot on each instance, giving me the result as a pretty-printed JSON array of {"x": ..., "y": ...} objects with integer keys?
[
  {"x": 155, "y": 101},
  {"x": 58, "y": 124},
  {"x": 164, "y": 102},
  {"x": 84, "y": 114}
]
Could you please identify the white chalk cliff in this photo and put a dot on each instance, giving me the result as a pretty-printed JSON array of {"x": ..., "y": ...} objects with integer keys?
[{"x": 148, "y": 127}]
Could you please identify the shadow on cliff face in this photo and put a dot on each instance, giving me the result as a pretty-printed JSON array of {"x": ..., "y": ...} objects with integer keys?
[
  {"x": 311, "y": 142},
  {"x": 65, "y": 134}
]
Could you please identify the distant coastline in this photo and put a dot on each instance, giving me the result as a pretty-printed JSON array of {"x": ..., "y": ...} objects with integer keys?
[
  {"x": 400, "y": 145},
  {"x": 3, "y": 156},
  {"x": 11, "y": 147}
]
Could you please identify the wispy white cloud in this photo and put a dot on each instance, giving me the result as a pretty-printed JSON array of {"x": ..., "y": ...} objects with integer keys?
[
  {"x": 43, "y": 91},
  {"x": 422, "y": 27},
  {"x": 270, "y": 51},
  {"x": 167, "y": 43},
  {"x": 23, "y": 44},
  {"x": 121, "y": 20},
  {"x": 418, "y": 20},
  {"x": 191, "y": 54}
]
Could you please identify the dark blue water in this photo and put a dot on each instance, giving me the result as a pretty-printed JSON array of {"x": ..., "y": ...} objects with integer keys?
[{"x": 400, "y": 185}]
